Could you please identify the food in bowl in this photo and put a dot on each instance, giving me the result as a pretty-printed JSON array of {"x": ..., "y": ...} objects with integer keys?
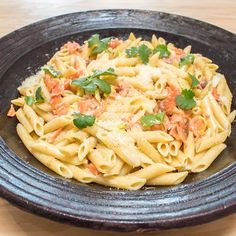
[{"x": 125, "y": 113}]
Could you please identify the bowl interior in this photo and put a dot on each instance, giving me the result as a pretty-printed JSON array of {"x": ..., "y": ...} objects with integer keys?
[{"x": 32, "y": 60}]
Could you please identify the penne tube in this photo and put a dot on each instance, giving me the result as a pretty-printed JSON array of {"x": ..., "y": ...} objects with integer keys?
[
  {"x": 44, "y": 107},
  {"x": 149, "y": 150},
  {"x": 152, "y": 171},
  {"x": 117, "y": 168},
  {"x": 207, "y": 143},
  {"x": 85, "y": 147},
  {"x": 47, "y": 149},
  {"x": 34, "y": 120},
  {"x": 54, "y": 165},
  {"x": 57, "y": 123},
  {"x": 218, "y": 112},
  {"x": 45, "y": 115},
  {"x": 122, "y": 145},
  {"x": 126, "y": 169},
  {"x": 76, "y": 135},
  {"x": 69, "y": 150},
  {"x": 163, "y": 149},
  {"x": 174, "y": 147},
  {"x": 231, "y": 116},
  {"x": 71, "y": 99},
  {"x": 121, "y": 182},
  {"x": 212, "y": 122},
  {"x": 81, "y": 174},
  {"x": 101, "y": 163},
  {"x": 20, "y": 115},
  {"x": 20, "y": 102},
  {"x": 45, "y": 93},
  {"x": 189, "y": 149},
  {"x": 24, "y": 136},
  {"x": 152, "y": 136},
  {"x": 168, "y": 179},
  {"x": 204, "y": 161}
]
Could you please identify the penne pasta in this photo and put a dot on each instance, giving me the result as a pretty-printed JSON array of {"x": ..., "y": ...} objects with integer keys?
[{"x": 168, "y": 179}]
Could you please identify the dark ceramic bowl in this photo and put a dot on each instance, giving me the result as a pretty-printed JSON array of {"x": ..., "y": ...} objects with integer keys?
[{"x": 27, "y": 184}]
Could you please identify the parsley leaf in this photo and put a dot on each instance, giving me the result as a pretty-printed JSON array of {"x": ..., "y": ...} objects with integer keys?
[
  {"x": 187, "y": 60},
  {"x": 142, "y": 51},
  {"x": 93, "y": 82},
  {"x": 132, "y": 52},
  {"x": 102, "y": 85},
  {"x": 97, "y": 44},
  {"x": 152, "y": 119},
  {"x": 82, "y": 121},
  {"x": 163, "y": 51},
  {"x": 195, "y": 82},
  {"x": 109, "y": 71},
  {"x": 185, "y": 100},
  {"x": 38, "y": 96},
  {"x": 51, "y": 71},
  {"x": 29, "y": 100}
]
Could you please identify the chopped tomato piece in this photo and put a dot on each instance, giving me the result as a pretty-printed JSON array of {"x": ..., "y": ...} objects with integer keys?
[
  {"x": 179, "y": 53},
  {"x": 168, "y": 104},
  {"x": 59, "y": 107},
  {"x": 67, "y": 83},
  {"x": 62, "y": 109},
  {"x": 55, "y": 101},
  {"x": 57, "y": 89},
  {"x": 91, "y": 106},
  {"x": 157, "y": 127},
  {"x": 178, "y": 127},
  {"x": 114, "y": 43},
  {"x": 215, "y": 94},
  {"x": 92, "y": 169},
  {"x": 11, "y": 112},
  {"x": 198, "y": 125},
  {"x": 72, "y": 47},
  {"x": 56, "y": 86},
  {"x": 50, "y": 82}
]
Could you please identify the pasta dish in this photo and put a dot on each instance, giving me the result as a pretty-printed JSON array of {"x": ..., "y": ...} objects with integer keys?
[{"x": 125, "y": 113}]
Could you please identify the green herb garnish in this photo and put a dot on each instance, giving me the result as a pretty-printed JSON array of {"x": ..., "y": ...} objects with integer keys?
[
  {"x": 142, "y": 51},
  {"x": 51, "y": 71},
  {"x": 152, "y": 119},
  {"x": 98, "y": 45},
  {"x": 187, "y": 60},
  {"x": 185, "y": 100},
  {"x": 163, "y": 51},
  {"x": 38, "y": 95},
  {"x": 93, "y": 82},
  {"x": 82, "y": 121},
  {"x": 195, "y": 82},
  {"x": 132, "y": 52},
  {"x": 29, "y": 100}
]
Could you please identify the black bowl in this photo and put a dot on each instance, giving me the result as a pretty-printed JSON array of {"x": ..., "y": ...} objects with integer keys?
[{"x": 27, "y": 184}]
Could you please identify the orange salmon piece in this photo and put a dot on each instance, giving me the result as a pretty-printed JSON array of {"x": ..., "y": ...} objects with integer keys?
[{"x": 11, "y": 112}]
